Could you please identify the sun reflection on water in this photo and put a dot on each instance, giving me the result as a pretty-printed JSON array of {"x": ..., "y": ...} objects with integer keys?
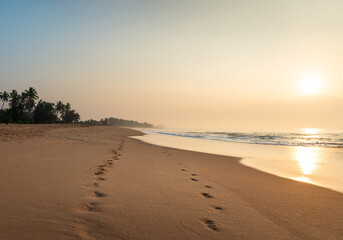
[
  {"x": 307, "y": 159},
  {"x": 303, "y": 179},
  {"x": 311, "y": 130}
]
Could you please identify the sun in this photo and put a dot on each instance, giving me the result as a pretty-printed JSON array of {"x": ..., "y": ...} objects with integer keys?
[{"x": 310, "y": 85}]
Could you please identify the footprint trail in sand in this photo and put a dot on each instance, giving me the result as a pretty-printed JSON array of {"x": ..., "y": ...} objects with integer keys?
[
  {"x": 100, "y": 171},
  {"x": 208, "y": 223}
]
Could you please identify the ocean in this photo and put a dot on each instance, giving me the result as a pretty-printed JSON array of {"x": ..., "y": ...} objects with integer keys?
[{"x": 310, "y": 155}]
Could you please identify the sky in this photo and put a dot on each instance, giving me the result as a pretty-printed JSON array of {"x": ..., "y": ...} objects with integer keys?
[{"x": 184, "y": 64}]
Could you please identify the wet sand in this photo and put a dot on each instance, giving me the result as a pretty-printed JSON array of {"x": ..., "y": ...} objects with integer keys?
[{"x": 97, "y": 183}]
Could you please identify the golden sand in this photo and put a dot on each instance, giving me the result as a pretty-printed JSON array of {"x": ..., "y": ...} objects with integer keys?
[{"x": 97, "y": 183}]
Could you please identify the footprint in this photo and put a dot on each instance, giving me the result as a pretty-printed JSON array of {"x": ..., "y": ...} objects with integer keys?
[
  {"x": 206, "y": 195},
  {"x": 218, "y": 208},
  {"x": 95, "y": 184},
  {"x": 193, "y": 174},
  {"x": 100, "y": 179},
  {"x": 99, "y": 194},
  {"x": 194, "y": 179},
  {"x": 99, "y": 172},
  {"x": 210, "y": 224},
  {"x": 184, "y": 170},
  {"x": 110, "y": 161},
  {"x": 208, "y": 186},
  {"x": 93, "y": 206}
]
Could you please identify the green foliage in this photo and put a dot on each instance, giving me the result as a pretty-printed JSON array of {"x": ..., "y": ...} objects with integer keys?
[
  {"x": 60, "y": 109},
  {"x": 16, "y": 107},
  {"x": 44, "y": 112},
  {"x": 23, "y": 108},
  {"x": 119, "y": 122},
  {"x": 5, "y": 116},
  {"x": 71, "y": 116},
  {"x": 66, "y": 114},
  {"x": 127, "y": 123},
  {"x": 4, "y": 97},
  {"x": 28, "y": 120},
  {"x": 30, "y": 97}
]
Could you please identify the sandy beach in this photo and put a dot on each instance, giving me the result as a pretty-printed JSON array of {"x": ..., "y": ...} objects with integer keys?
[{"x": 71, "y": 182}]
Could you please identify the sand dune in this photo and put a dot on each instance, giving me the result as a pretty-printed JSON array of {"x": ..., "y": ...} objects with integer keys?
[{"x": 97, "y": 183}]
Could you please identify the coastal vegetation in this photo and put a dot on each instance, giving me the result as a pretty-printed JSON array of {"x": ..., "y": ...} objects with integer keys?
[
  {"x": 26, "y": 107},
  {"x": 119, "y": 122}
]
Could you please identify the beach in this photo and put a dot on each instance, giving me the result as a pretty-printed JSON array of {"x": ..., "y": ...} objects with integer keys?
[
  {"x": 322, "y": 166},
  {"x": 73, "y": 182}
]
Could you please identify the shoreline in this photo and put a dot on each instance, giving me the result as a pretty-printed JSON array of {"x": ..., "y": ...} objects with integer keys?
[
  {"x": 317, "y": 166},
  {"x": 98, "y": 183},
  {"x": 239, "y": 160}
]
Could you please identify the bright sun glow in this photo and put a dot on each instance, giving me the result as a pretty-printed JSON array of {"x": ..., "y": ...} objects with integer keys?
[
  {"x": 311, "y": 130},
  {"x": 310, "y": 84}
]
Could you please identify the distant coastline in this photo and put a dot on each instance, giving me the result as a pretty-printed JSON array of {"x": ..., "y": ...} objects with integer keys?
[
  {"x": 28, "y": 108},
  {"x": 118, "y": 122}
]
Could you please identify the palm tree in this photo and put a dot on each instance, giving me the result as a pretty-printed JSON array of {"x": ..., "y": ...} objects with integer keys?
[
  {"x": 29, "y": 97},
  {"x": 59, "y": 108},
  {"x": 14, "y": 99},
  {"x": 4, "y": 96},
  {"x": 67, "y": 107},
  {"x": 66, "y": 111},
  {"x": 16, "y": 106}
]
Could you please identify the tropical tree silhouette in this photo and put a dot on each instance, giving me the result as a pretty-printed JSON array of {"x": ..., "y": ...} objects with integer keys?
[
  {"x": 44, "y": 112},
  {"x": 16, "y": 106},
  {"x": 71, "y": 116},
  {"x": 4, "y": 96},
  {"x": 25, "y": 108},
  {"x": 14, "y": 99},
  {"x": 67, "y": 107},
  {"x": 30, "y": 97},
  {"x": 60, "y": 108}
]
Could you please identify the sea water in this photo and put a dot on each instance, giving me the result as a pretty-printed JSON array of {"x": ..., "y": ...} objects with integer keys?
[{"x": 310, "y": 155}]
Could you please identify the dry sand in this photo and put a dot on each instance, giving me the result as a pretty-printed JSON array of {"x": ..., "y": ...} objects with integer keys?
[{"x": 96, "y": 183}]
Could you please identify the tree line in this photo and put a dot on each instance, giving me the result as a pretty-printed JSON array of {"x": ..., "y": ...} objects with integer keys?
[
  {"x": 26, "y": 107},
  {"x": 119, "y": 122}
]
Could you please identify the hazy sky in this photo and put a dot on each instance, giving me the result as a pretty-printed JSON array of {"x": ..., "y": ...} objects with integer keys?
[{"x": 180, "y": 63}]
